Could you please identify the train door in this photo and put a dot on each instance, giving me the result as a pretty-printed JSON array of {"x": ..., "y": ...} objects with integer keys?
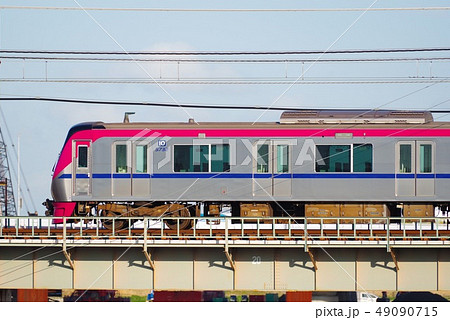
[
  {"x": 262, "y": 169},
  {"x": 415, "y": 173},
  {"x": 140, "y": 183},
  {"x": 425, "y": 155},
  {"x": 82, "y": 163},
  {"x": 121, "y": 169},
  {"x": 282, "y": 173},
  {"x": 272, "y": 175}
]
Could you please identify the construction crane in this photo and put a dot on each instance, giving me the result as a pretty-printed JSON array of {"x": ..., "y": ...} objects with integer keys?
[{"x": 7, "y": 203}]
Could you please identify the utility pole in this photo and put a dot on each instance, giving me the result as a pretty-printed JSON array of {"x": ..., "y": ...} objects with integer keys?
[{"x": 7, "y": 203}]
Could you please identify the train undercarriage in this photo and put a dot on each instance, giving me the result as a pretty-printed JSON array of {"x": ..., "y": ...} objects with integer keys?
[{"x": 315, "y": 212}]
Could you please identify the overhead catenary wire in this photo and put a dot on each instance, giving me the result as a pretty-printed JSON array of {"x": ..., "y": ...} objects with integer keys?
[
  {"x": 280, "y": 81},
  {"x": 144, "y": 103},
  {"x": 224, "y": 10},
  {"x": 228, "y": 53},
  {"x": 220, "y": 106},
  {"x": 290, "y": 60},
  {"x": 172, "y": 105}
]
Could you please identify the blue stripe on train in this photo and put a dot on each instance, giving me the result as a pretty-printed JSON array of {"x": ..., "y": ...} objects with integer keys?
[{"x": 208, "y": 175}]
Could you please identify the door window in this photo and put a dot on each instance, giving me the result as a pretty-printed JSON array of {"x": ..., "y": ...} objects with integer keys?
[
  {"x": 121, "y": 158},
  {"x": 405, "y": 158},
  {"x": 426, "y": 158},
  {"x": 262, "y": 158},
  {"x": 141, "y": 159},
  {"x": 282, "y": 158},
  {"x": 82, "y": 156}
]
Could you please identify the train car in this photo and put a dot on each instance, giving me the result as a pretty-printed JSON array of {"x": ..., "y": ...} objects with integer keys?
[{"x": 313, "y": 163}]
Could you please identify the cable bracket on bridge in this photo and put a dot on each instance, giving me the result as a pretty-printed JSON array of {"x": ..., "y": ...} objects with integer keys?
[
  {"x": 64, "y": 250},
  {"x": 394, "y": 258},
  {"x": 69, "y": 259},
  {"x": 148, "y": 256},
  {"x": 226, "y": 249},
  {"x": 306, "y": 247},
  {"x": 313, "y": 259},
  {"x": 230, "y": 258}
]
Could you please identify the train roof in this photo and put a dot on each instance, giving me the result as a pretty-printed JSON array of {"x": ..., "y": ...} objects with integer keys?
[
  {"x": 314, "y": 118},
  {"x": 320, "y": 119}
]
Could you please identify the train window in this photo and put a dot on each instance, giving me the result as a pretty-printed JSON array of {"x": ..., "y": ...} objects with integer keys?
[
  {"x": 425, "y": 158},
  {"x": 220, "y": 158},
  {"x": 262, "y": 158},
  {"x": 202, "y": 158},
  {"x": 333, "y": 158},
  {"x": 282, "y": 158},
  {"x": 121, "y": 158},
  {"x": 182, "y": 159},
  {"x": 82, "y": 156},
  {"x": 362, "y": 158},
  {"x": 141, "y": 159},
  {"x": 405, "y": 158}
]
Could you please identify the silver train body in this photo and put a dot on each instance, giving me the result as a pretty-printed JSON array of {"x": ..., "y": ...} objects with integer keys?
[{"x": 299, "y": 166}]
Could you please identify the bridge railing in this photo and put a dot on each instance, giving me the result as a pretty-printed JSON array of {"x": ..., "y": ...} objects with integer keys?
[{"x": 206, "y": 229}]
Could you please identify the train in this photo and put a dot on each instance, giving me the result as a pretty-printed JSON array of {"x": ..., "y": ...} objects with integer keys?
[{"x": 310, "y": 163}]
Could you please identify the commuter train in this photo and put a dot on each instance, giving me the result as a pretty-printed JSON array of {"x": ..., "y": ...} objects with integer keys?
[{"x": 312, "y": 163}]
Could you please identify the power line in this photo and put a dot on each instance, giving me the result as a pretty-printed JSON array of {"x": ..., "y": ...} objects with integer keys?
[
  {"x": 169, "y": 105},
  {"x": 128, "y": 103},
  {"x": 50, "y": 58},
  {"x": 226, "y": 10},
  {"x": 174, "y": 53},
  {"x": 277, "y": 81}
]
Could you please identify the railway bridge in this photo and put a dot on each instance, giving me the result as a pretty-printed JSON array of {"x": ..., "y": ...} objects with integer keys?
[{"x": 227, "y": 253}]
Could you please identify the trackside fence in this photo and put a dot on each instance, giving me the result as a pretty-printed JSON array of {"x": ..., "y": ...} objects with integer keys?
[{"x": 387, "y": 230}]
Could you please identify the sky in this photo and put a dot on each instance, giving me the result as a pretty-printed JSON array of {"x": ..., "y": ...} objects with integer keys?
[{"x": 43, "y": 126}]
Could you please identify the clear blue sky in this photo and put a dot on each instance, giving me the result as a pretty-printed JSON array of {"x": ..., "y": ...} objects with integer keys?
[{"x": 42, "y": 126}]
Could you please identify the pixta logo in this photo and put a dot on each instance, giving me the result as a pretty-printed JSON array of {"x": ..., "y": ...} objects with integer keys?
[{"x": 249, "y": 149}]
